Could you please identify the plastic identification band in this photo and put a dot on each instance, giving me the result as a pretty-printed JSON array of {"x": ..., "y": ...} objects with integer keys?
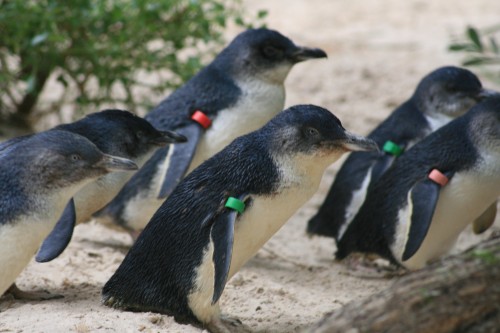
[
  {"x": 235, "y": 204},
  {"x": 201, "y": 119},
  {"x": 392, "y": 148},
  {"x": 438, "y": 177}
]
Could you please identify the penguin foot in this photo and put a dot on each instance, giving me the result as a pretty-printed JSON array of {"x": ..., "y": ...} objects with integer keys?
[
  {"x": 371, "y": 267},
  {"x": 226, "y": 325},
  {"x": 17, "y": 293}
]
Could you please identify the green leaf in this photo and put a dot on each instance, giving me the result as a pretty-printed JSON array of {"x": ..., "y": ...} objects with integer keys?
[
  {"x": 61, "y": 79},
  {"x": 38, "y": 39},
  {"x": 459, "y": 47},
  {"x": 486, "y": 256},
  {"x": 474, "y": 37},
  {"x": 31, "y": 84},
  {"x": 473, "y": 61}
]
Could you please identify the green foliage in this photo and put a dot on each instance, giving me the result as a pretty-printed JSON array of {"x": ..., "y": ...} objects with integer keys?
[
  {"x": 486, "y": 256},
  {"x": 94, "y": 48},
  {"x": 481, "y": 48}
]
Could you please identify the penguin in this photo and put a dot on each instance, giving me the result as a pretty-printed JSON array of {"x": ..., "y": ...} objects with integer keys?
[
  {"x": 223, "y": 212},
  {"x": 115, "y": 132},
  {"x": 37, "y": 175},
  {"x": 241, "y": 90},
  {"x": 415, "y": 212},
  {"x": 440, "y": 97}
]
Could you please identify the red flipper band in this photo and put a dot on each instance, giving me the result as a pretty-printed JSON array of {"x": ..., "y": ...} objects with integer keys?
[{"x": 201, "y": 119}]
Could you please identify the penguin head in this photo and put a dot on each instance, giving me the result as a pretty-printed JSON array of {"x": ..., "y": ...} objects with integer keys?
[
  {"x": 449, "y": 91},
  {"x": 122, "y": 133},
  {"x": 311, "y": 131},
  {"x": 60, "y": 159},
  {"x": 266, "y": 54}
]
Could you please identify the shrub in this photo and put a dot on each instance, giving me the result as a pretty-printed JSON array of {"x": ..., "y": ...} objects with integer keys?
[{"x": 93, "y": 49}]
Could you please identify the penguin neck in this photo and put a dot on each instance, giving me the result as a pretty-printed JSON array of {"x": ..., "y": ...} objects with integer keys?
[
  {"x": 303, "y": 170},
  {"x": 273, "y": 76},
  {"x": 49, "y": 204}
]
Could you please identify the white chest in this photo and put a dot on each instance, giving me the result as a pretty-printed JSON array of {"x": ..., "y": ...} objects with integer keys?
[
  {"x": 259, "y": 102},
  {"x": 437, "y": 121}
]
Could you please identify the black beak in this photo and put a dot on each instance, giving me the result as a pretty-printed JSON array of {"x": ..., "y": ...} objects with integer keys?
[
  {"x": 355, "y": 142},
  {"x": 485, "y": 93},
  {"x": 115, "y": 163},
  {"x": 168, "y": 137},
  {"x": 305, "y": 53}
]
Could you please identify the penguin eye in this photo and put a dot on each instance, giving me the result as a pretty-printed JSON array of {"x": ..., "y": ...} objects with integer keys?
[
  {"x": 139, "y": 135},
  {"x": 312, "y": 132},
  {"x": 76, "y": 157},
  {"x": 272, "y": 52}
]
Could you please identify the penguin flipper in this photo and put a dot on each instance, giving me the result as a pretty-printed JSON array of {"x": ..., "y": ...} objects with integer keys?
[
  {"x": 60, "y": 236},
  {"x": 222, "y": 234},
  {"x": 385, "y": 160},
  {"x": 424, "y": 196},
  {"x": 380, "y": 166},
  {"x": 485, "y": 220},
  {"x": 180, "y": 157}
]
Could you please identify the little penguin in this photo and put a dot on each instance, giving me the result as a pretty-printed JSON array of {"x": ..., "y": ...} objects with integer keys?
[
  {"x": 223, "y": 212},
  {"x": 115, "y": 132},
  {"x": 441, "y": 96},
  {"x": 37, "y": 176},
  {"x": 241, "y": 90},
  {"x": 415, "y": 212}
]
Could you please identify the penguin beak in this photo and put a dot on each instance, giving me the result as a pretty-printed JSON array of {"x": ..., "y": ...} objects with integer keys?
[
  {"x": 168, "y": 137},
  {"x": 485, "y": 93},
  {"x": 355, "y": 142},
  {"x": 115, "y": 163},
  {"x": 305, "y": 53}
]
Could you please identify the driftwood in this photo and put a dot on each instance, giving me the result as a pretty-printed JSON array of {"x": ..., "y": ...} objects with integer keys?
[{"x": 457, "y": 294}]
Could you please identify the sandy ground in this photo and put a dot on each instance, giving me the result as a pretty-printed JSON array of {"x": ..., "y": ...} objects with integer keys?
[{"x": 378, "y": 51}]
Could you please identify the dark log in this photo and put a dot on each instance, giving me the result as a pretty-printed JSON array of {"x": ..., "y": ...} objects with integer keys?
[{"x": 459, "y": 293}]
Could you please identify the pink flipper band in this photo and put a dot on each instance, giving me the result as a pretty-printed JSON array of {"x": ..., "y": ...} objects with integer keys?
[{"x": 438, "y": 177}]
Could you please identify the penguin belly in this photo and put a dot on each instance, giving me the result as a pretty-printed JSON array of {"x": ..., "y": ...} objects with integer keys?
[
  {"x": 461, "y": 201},
  {"x": 19, "y": 241},
  {"x": 358, "y": 197},
  {"x": 259, "y": 103}
]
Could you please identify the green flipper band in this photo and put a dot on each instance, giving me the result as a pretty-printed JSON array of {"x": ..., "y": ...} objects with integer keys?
[
  {"x": 235, "y": 204},
  {"x": 392, "y": 148}
]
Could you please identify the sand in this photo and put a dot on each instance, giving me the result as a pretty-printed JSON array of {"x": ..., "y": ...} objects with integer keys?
[{"x": 378, "y": 51}]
